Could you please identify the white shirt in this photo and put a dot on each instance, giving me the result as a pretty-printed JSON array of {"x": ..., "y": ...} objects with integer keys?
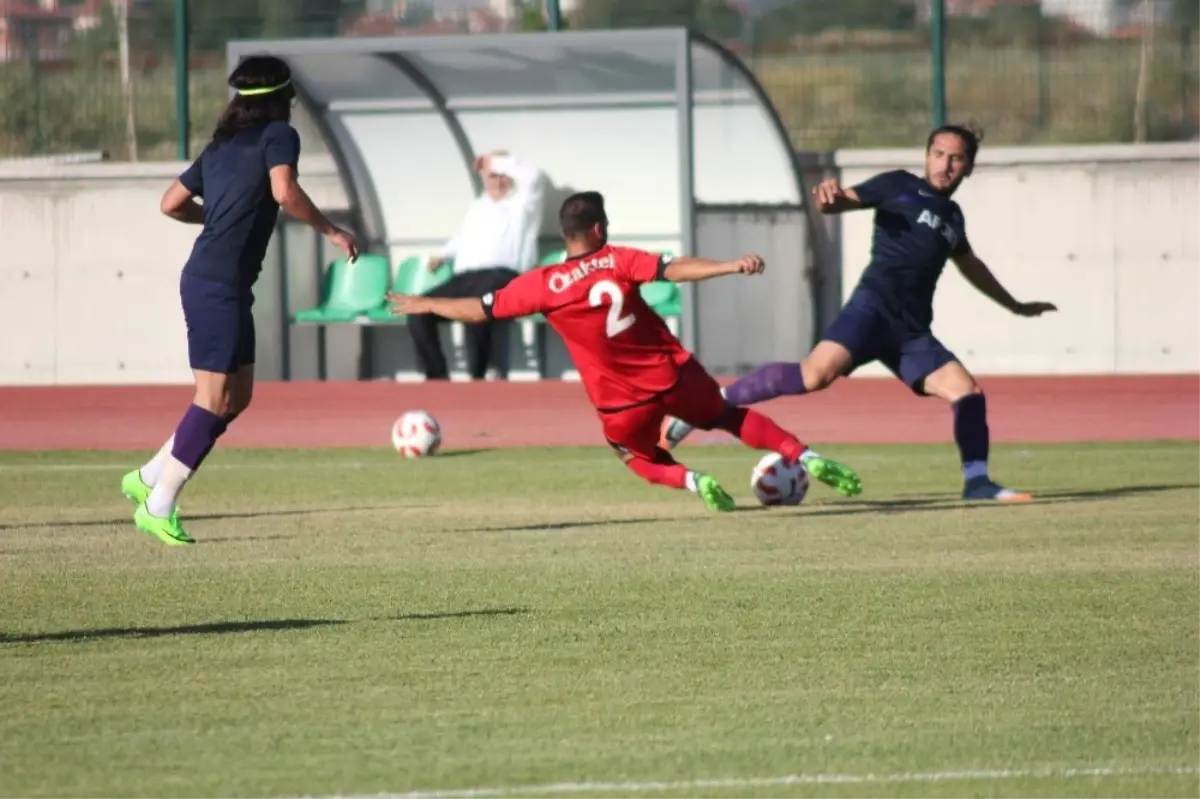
[{"x": 502, "y": 232}]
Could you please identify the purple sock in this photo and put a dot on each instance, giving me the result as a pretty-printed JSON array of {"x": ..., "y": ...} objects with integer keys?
[
  {"x": 198, "y": 431},
  {"x": 971, "y": 429},
  {"x": 766, "y": 382}
]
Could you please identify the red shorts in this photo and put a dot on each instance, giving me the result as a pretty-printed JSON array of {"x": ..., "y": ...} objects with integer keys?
[{"x": 695, "y": 398}]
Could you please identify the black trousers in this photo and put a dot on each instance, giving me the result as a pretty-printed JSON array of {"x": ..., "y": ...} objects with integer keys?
[{"x": 486, "y": 342}]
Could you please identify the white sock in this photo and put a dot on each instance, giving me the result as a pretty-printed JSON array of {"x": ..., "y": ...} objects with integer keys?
[
  {"x": 808, "y": 454},
  {"x": 153, "y": 469},
  {"x": 165, "y": 495},
  {"x": 724, "y": 392},
  {"x": 693, "y": 480},
  {"x": 973, "y": 469}
]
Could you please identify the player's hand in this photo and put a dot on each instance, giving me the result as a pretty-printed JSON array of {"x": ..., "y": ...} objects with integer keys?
[
  {"x": 750, "y": 265},
  {"x": 483, "y": 164},
  {"x": 435, "y": 263},
  {"x": 1034, "y": 308},
  {"x": 344, "y": 242},
  {"x": 403, "y": 304},
  {"x": 827, "y": 193}
]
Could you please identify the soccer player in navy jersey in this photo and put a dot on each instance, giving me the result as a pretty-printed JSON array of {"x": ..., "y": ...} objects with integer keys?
[
  {"x": 635, "y": 372},
  {"x": 244, "y": 176},
  {"x": 888, "y": 316}
]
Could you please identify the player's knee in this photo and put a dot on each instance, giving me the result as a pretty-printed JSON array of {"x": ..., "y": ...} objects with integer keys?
[
  {"x": 213, "y": 393},
  {"x": 951, "y": 383},
  {"x": 238, "y": 402},
  {"x": 622, "y": 454},
  {"x": 730, "y": 420},
  {"x": 827, "y": 362},
  {"x": 819, "y": 374}
]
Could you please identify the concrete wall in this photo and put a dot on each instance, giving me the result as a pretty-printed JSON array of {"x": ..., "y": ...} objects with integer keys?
[
  {"x": 89, "y": 272},
  {"x": 1109, "y": 234},
  {"x": 89, "y": 269}
]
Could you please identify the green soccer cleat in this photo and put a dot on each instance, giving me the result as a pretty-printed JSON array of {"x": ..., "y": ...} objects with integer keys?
[
  {"x": 135, "y": 490},
  {"x": 715, "y": 498},
  {"x": 841, "y": 479},
  {"x": 167, "y": 530}
]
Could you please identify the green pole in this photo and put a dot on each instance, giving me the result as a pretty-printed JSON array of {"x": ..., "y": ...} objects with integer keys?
[
  {"x": 183, "y": 123},
  {"x": 553, "y": 15},
  {"x": 39, "y": 139},
  {"x": 937, "y": 31}
]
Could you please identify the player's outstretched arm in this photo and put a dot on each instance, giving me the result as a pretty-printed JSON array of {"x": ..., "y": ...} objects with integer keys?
[
  {"x": 295, "y": 203},
  {"x": 692, "y": 270},
  {"x": 978, "y": 275},
  {"x": 456, "y": 309}
]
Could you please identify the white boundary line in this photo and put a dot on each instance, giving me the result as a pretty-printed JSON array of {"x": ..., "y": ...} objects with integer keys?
[{"x": 568, "y": 788}]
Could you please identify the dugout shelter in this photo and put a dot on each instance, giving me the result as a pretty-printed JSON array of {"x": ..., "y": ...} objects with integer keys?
[{"x": 671, "y": 126}]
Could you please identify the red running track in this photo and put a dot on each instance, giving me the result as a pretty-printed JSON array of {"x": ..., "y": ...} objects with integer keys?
[{"x": 859, "y": 410}]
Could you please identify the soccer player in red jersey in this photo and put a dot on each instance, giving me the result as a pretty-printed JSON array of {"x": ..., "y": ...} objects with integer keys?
[{"x": 634, "y": 370}]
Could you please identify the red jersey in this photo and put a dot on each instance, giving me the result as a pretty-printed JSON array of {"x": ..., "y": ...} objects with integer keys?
[{"x": 623, "y": 350}]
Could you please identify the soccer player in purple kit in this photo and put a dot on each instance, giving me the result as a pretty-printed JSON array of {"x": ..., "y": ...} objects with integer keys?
[
  {"x": 244, "y": 176},
  {"x": 889, "y": 314}
]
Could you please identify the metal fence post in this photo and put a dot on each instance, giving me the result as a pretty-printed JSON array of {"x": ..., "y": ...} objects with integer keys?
[
  {"x": 937, "y": 34},
  {"x": 182, "y": 110}
]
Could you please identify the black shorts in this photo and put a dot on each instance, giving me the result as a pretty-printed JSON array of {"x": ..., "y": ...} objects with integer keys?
[
  {"x": 220, "y": 324},
  {"x": 871, "y": 331}
]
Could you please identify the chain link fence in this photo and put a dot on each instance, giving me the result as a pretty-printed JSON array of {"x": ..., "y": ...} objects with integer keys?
[{"x": 98, "y": 75}]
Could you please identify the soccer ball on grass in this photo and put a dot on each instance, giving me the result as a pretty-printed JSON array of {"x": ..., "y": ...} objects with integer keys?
[
  {"x": 416, "y": 434},
  {"x": 776, "y": 482}
]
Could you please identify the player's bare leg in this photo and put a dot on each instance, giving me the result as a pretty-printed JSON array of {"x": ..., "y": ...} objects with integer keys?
[
  {"x": 759, "y": 431},
  {"x": 138, "y": 484},
  {"x": 219, "y": 398},
  {"x": 955, "y": 384},
  {"x": 665, "y": 471},
  {"x": 824, "y": 365}
]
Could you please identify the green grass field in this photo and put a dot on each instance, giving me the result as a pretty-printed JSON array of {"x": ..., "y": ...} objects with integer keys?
[{"x": 352, "y": 623}]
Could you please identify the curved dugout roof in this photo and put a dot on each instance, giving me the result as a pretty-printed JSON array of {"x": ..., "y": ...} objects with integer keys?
[{"x": 650, "y": 117}]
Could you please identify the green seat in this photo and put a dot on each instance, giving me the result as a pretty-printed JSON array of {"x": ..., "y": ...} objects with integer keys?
[
  {"x": 412, "y": 277},
  {"x": 349, "y": 291},
  {"x": 663, "y": 297},
  {"x": 555, "y": 257}
]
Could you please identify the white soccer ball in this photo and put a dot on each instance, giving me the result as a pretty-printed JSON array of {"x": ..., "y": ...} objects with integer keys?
[
  {"x": 416, "y": 434},
  {"x": 776, "y": 482}
]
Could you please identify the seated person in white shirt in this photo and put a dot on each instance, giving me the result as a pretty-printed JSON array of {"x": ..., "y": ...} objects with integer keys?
[{"x": 497, "y": 241}]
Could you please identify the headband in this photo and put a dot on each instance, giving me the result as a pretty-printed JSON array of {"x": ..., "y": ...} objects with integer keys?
[{"x": 263, "y": 90}]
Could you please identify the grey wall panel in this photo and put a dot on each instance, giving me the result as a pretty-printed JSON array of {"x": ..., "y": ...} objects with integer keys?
[{"x": 745, "y": 322}]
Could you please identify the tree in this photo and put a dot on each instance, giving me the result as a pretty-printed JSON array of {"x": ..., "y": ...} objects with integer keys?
[
  {"x": 807, "y": 17},
  {"x": 712, "y": 16},
  {"x": 416, "y": 14},
  {"x": 213, "y": 23}
]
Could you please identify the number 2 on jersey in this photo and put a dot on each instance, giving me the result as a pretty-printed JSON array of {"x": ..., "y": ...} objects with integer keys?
[{"x": 606, "y": 289}]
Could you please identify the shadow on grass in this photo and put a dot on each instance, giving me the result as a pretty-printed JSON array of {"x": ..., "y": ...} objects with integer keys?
[
  {"x": 458, "y": 453},
  {"x": 209, "y": 517},
  {"x": 568, "y": 525},
  {"x": 229, "y": 627},
  {"x": 859, "y": 507},
  {"x": 845, "y": 507}
]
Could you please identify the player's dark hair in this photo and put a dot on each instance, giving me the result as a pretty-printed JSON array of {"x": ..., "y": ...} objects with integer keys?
[
  {"x": 265, "y": 92},
  {"x": 971, "y": 137},
  {"x": 581, "y": 212}
]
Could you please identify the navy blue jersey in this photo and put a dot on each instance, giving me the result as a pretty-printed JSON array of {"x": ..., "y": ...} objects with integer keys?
[
  {"x": 916, "y": 230},
  {"x": 233, "y": 178}
]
